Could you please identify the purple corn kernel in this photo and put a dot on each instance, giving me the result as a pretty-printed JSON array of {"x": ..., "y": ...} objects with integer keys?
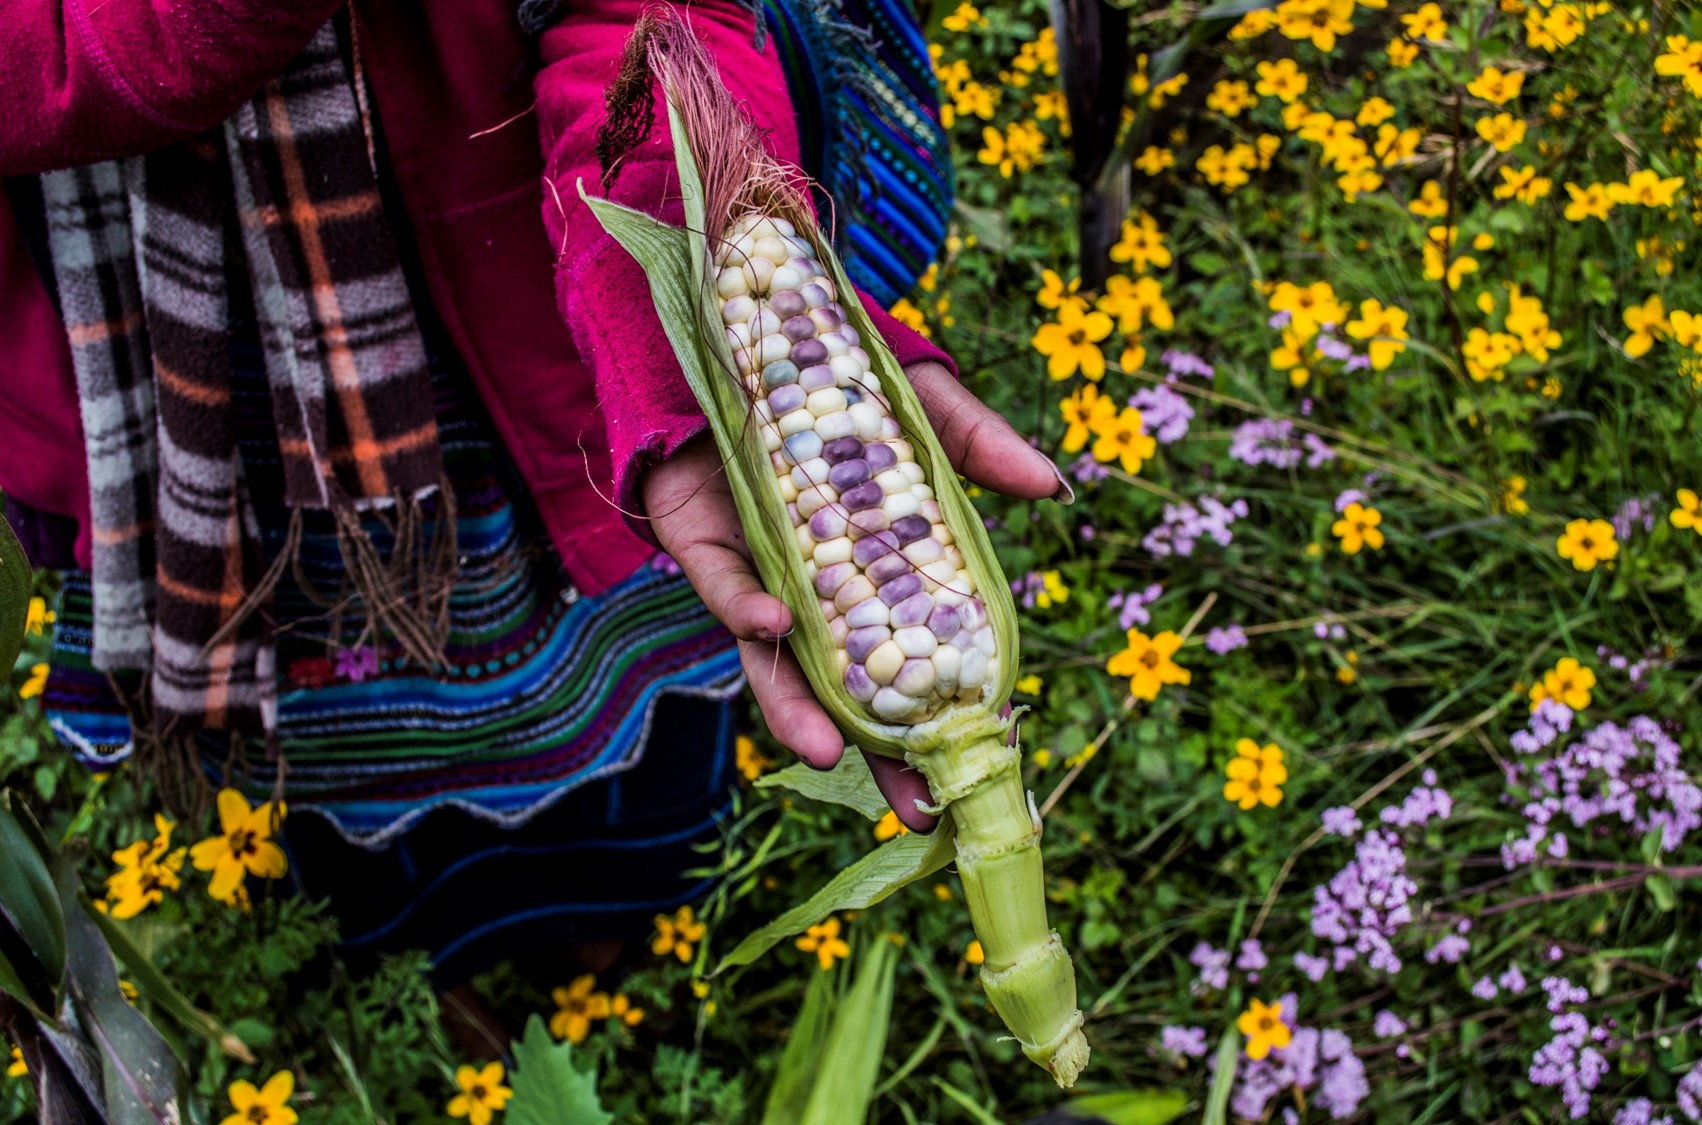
[
  {"x": 913, "y": 610},
  {"x": 827, "y": 523},
  {"x": 915, "y": 677},
  {"x": 830, "y": 578},
  {"x": 865, "y": 495},
  {"x": 807, "y": 353},
  {"x": 924, "y": 551},
  {"x": 904, "y": 586},
  {"x": 847, "y": 473},
  {"x": 974, "y": 614},
  {"x": 911, "y": 528},
  {"x": 868, "y": 522},
  {"x": 785, "y": 399},
  {"x": 838, "y": 628},
  {"x": 779, "y": 374},
  {"x": 798, "y": 328},
  {"x": 945, "y": 621},
  {"x": 788, "y": 303},
  {"x": 852, "y": 394},
  {"x": 816, "y": 377},
  {"x": 880, "y": 457},
  {"x": 858, "y": 685},
  {"x": 841, "y": 449},
  {"x": 800, "y": 447},
  {"x": 866, "y": 613},
  {"x": 872, "y": 546},
  {"x": 814, "y": 295},
  {"x": 888, "y": 567},
  {"x": 827, "y": 320},
  {"x": 860, "y": 642},
  {"x": 850, "y": 334}
]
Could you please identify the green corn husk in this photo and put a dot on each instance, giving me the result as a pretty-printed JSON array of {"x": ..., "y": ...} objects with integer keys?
[{"x": 966, "y": 752}]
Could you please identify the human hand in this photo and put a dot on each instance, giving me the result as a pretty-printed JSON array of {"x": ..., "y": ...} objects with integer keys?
[{"x": 691, "y": 511}]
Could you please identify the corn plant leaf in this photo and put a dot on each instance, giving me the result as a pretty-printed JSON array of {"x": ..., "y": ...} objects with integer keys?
[
  {"x": 896, "y": 863},
  {"x": 1223, "y": 1080},
  {"x": 1124, "y": 1107},
  {"x": 856, "y": 1043},
  {"x": 548, "y": 1088},
  {"x": 849, "y": 783},
  {"x": 29, "y": 907},
  {"x": 14, "y": 596},
  {"x": 154, "y": 985},
  {"x": 803, "y": 1056}
]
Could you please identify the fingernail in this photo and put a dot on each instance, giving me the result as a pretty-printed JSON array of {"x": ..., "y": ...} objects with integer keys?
[
  {"x": 1065, "y": 494},
  {"x": 768, "y": 636}
]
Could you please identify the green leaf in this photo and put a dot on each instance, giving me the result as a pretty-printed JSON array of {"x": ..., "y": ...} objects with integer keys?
[
  {"x": 894, "y": 864},
  {"x": 548, "y": 1088},
  {"x": 159, "y": 991},
  {"x": 802, "y": 1058},
  {"x": 1130, "y": 1107},
  {"x": 28, "y": 904},
  {"x": 1223, "y": 1082},
  {"x": 15, "y": 587},
  {"x": 849, "y": 783},
  {"x": 1660, "y": 889},
  {"x": 856, "y": 1043}
]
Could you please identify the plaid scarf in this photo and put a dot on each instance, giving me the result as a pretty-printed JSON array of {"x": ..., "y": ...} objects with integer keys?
[{"x": 140, "y": 250}]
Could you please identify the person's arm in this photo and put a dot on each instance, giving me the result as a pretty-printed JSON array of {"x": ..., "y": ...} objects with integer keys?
[
  {"x": 667, "y": 473},
  {"x": 89, "y": 80}
]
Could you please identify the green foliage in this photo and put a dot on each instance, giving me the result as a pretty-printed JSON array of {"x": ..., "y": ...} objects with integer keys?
[{"x": 548, "y": 1088}]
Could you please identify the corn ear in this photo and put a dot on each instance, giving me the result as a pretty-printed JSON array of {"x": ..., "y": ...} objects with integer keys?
[{"x": 944, "y": 720}]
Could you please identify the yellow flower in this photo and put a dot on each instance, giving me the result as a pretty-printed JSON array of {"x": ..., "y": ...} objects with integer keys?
[
  {"x": 889, "y": 826},
  {"x": 1054, "y": 291},
  {"x": 36, "y": 683},
  {"x": 576, "y": 1006},
  {"x": 1254, "y": 24},
  {"x": 146, "y": 870},
  {"x": 1438, "y": 243},
  {"x": 1141, "y": 245},
  {"x": 1402, "y": 54},
  {"x": 622, "y": 1008},
  {"x": 1221, "y": 168},
  {"x": 1689, "y": 511},
  {"x": 1426, "y": 24},
  {"x": 1154, "y": 160},
  {"x": 1487, "y": 353},
  {"x": 1133, "y": 357},
  {"x": 1385, "y": 328},
  {"x": 1527, "y": 320},
  {"x": 964, "y": 17},
  {"x": 1166, "y": 90},
  {"x": 1050, "y": 105},
  {"x": 1683, "y": 59},
  {"x": 1052, "y": 590},
  {"x": 1266, "y": 145},
  {"x": 267, "y": 1105},
  {"x": 824, "y": 941},
  {"x": 1136, "y": 303},
  {"x": 1291, "y": 356},
  {"x": 1262, "y": 1025},
  {"x": 1308, "y": 308},
  {"x": 1568, "y": 682},
  {"x": 974, "y": 954},
  {"x": 1648, "y": 322},
  {"x": 1494, "y": 86},
  {"x": 1686, "y": 329},
  {"x": 1374, "y": 112},
  {"x": 1230, "y": 98},
  {"x": 1015, "y": 150},
  {"x": 1513, "y": 496},
  {"x": 1071, "y": 343},
  {"x": 1083, "y": 411},
  {"x": 1319, "y": 21},
  {"x": 1592, "y": 202},
  {"x": 1030, "y": 685},
  {"x": 39, "y": 616},
  {"x": 1121, "y": 439},
  {"x": 1502, "y": 131},
  {"x": 1523, "y": 184},
  {"x": 752, "y": 762},
  {"x": 1646, "y": 189},
  {"x": 1357, "y": 529},
  {"x": 1551, "y": 387},
  {"x": 1558, "y": 28},
  {"x": 1587, "y": 542},
  {"x": 1255, "y": 775},
  {"x": 17, "y": 1068},
  {"x": 1149, "y": 663},
  {"x": 482, "y": 1094},
  {"x": 1355, "y": 184},
  {"x": 1431, "y": 203},
  {"x": 677, "y": 934},
  {"x": 244, "y": 846}
]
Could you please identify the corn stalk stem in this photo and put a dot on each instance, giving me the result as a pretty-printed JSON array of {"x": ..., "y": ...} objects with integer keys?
[{"x": 1027, "y": 973}]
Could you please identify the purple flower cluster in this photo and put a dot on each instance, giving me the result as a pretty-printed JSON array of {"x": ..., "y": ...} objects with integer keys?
[
  {"x": 1252, "y": 956},
  {"x": 1637, "y": 512},
  {"x": 1450, "y": 949},
  {"x": 1086, "y": 470},
  {"x": 1341, "y": 821},
  {"x": 1314, "y": 968},
  {"x": 1637, "y": 672},
  {"x": 1689, "y": 1094},
  {"x": 1569, "y": 1061},
  {"x": 1185, "y": 525},
  {"x": 1133, "y": 606},
  {"x": 1628, "y": 772},
  {"x": 1350, "y": 496},
  {"x": 1213, "y": 965},
  {"x": 1328, "y": 631},
  {"x": 1226, "y": 639},
  {"x": 1188, "y": 1042},
  {"x": 1318, "y": 1063},
  {"x": 1271, "y": 441},
  {"x": 1425, "y": 803},
  {"x": 1164, "y": 413},
  {"x": 1387, "y": 1025},
  {"x": 1640, "y": 1111},
  {"x": 1180, "y": 363},
  {"x": 1365, "y": 904}
]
